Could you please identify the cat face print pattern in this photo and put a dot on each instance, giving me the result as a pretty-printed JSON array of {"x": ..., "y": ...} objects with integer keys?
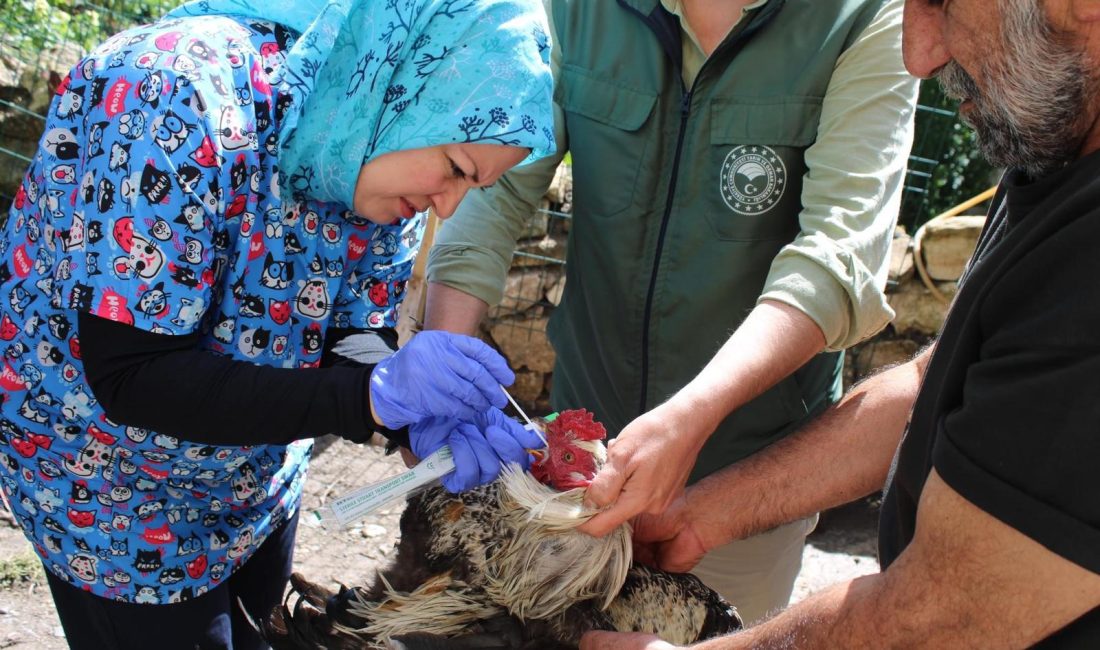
[{"x": 154, "y": 200}]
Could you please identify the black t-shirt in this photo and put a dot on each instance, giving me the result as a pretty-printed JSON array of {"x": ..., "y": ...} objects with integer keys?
[{"x": 1009, "y": 409}]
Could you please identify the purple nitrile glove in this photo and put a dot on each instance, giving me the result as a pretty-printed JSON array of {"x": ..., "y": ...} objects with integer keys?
[
  {"x": 479, "y": 449},
  {"x": 438, "y": 374}
]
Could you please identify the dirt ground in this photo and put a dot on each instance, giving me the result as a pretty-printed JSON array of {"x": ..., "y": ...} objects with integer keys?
[{"x": 842, "y": 548}]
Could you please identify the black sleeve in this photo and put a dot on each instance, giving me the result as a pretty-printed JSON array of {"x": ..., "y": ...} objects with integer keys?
[
  {"x": 357, "y": 348},
  {"x": 168, "y": 384},
  {"x": 1021, "y": 441}
]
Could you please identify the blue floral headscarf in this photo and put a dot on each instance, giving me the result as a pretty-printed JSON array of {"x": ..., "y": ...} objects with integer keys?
[{"x": 387, "y": 75}]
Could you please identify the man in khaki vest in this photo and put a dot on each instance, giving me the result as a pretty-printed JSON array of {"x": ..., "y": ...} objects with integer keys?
[{"x": 738, "y": 167}]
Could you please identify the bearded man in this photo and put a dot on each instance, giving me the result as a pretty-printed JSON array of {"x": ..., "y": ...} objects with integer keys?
[{"x": 990, "y": 529}]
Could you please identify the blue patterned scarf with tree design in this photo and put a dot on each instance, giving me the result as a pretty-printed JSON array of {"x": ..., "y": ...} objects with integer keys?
[{"x": 387, "y": 75}]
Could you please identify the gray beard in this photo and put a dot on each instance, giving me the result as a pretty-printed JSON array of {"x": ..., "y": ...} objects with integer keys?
[{"x": 1030, "y": 113}]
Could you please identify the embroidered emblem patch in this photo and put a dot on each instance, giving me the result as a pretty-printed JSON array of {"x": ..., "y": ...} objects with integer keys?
[{"x": 753, "y": 179}]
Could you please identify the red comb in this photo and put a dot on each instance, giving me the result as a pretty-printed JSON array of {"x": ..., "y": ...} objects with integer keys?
[{"x": 580, "y": 422}]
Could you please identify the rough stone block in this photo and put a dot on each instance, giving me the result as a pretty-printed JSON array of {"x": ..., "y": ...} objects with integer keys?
[
  {"x": 880, "y": 353},
  {"x": 947, "y": 245},
  {"x": 901, "y": 260},
  {"x": 534, "y": 252},
  {"x": 528, "y": 386},
  {"x": 536, "y": 223},
  {"x": 524, "y": 343},
  {"x": 555, "y": 291},
  {"x": 918, "y": 311},
  {"x": 45, "y": 73},
  {"x": 561, "y": 188},
  {"x": 524, "y": 288}
]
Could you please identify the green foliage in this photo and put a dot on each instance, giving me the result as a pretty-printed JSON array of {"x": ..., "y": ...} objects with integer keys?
[
  {"x": 25, "y": 567},
  {"x": 961, "y": 172},
  {"x": 40, "y": 37},
  {"x": 32, "y": 25}
]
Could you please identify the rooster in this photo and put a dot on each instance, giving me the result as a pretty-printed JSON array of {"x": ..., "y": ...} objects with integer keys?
[{"x": 502, "y": 566}]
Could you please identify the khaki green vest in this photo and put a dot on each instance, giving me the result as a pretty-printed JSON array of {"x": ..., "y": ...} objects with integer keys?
[{"x": 682, "y": 199}]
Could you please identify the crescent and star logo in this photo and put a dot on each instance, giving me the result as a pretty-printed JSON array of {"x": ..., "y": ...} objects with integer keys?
[{"x": 753, "y": 179}]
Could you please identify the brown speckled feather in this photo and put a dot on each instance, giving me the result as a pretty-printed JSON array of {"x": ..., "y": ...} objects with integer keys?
[{"x": 506, "y": 551}]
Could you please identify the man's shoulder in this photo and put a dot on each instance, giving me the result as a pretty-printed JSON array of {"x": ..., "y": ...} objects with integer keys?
[{"x": 1042, "y": 287}]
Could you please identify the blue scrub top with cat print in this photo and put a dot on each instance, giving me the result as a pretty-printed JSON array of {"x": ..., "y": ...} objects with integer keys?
[{"x": 153, "y": 200}]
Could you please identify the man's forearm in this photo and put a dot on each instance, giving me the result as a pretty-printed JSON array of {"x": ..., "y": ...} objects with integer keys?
[
  {"x": 846, "y": 615},
  {"x": 772, "y": 342},
  {"x": 452, "y": 310},
  {"x": 841, "y": 455},
  {"x": 967, "y": 580}
]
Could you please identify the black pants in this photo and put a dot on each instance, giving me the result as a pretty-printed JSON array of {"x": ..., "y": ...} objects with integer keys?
[{"x": 213, "y": 621}]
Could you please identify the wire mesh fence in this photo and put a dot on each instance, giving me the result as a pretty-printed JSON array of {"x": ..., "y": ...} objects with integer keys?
[
  {"x": 928, "y": 146},
  {"x": 945, "y": 166},
  {"x": 39, "y": 42}
]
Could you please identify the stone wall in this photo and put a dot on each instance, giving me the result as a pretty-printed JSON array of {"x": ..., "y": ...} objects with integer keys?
[
  {"x": 919, "y": 299},
  {"x": 517, "y": 327},
  {"x": 27, "y": 84}
]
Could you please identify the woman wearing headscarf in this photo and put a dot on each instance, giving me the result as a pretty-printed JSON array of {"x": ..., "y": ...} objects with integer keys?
[{"x": 201, "y": 270}]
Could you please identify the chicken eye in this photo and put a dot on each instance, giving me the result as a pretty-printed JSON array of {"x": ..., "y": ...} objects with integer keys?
[{"x": 568, "y": 457}]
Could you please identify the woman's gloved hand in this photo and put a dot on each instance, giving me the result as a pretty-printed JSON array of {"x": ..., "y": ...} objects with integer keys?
[
  {"x": 438, "y": 374},
  {"x": 479, "y": 449}
]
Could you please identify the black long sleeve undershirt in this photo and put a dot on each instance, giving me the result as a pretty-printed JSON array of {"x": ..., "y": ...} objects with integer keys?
[{"x": 168, "y": 384}]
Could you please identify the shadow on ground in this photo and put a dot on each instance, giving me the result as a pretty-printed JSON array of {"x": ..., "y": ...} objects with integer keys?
[{"x": 851, "y": 528}]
